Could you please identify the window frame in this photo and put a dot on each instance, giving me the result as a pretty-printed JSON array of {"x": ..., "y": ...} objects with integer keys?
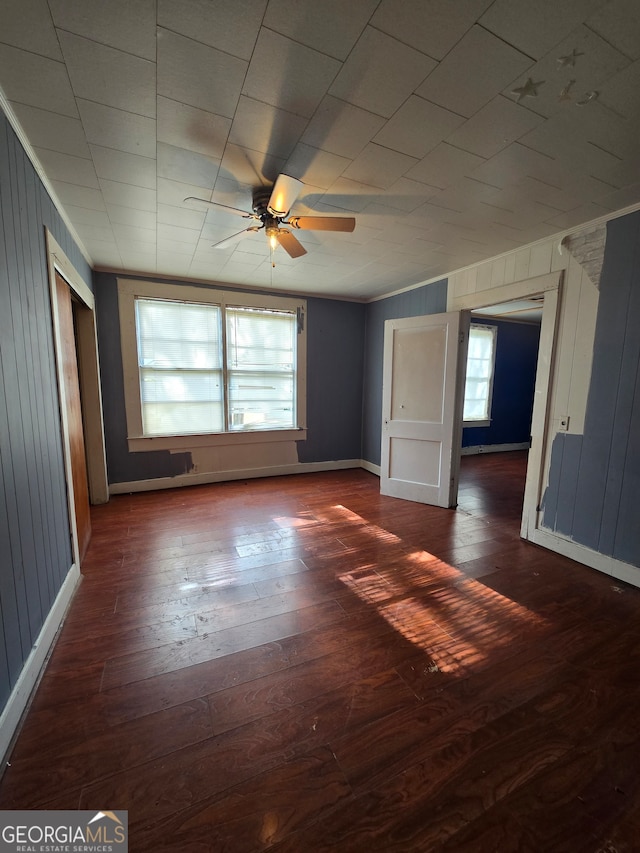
[
  {"x": 482, "y": 422},
  {"x": 129, "y": 290}
]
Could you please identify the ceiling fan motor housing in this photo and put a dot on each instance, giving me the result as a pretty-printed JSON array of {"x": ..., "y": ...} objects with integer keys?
[{"x": 261, "y": 198}]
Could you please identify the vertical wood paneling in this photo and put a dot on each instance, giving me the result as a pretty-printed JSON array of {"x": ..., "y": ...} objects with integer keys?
[
  {"x": 29, "y": 510},
  {"x": 13, "y": 632},
  {"x": 567, "y": 485},
  {"x": 13, "y": 458},
  {"x": 583, "y": 354},
  {"x": 627, "y": 541},
  {"x": 550, "y": 498},
  {"x": 34, "y": 523},
  {"x": 569, "y": 308},
  {"x": 623, "y": 423},
  {"x": 615, "y": 294}
]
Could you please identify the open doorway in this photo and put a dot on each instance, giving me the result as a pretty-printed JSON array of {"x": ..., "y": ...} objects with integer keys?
[
  {"x": 548, "y": 287},
  {"x": 501, "y": 375},
  {"x": 434, "y": 346}
]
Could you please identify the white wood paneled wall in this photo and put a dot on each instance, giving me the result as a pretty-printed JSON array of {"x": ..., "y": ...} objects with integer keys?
[{"x": 507, "y": 278}]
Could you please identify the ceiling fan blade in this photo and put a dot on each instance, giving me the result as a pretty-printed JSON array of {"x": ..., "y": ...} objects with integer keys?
[
  {"x": 285, "y": 191},
  {"x": 292, "y": 246},
  {"x": 235, "y": 238},
  {"x": 224, "y": 207},
  {"x": 323, "y": 223}
]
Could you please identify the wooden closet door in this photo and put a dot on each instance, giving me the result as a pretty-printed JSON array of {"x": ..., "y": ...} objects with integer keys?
[{"x": 69, "y": 368}]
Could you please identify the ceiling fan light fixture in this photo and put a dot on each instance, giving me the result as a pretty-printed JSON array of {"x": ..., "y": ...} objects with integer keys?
[{"x": 272, "y": 236}]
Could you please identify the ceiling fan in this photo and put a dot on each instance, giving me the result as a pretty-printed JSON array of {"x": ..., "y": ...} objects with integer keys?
[{"x": 271, "y": 209}]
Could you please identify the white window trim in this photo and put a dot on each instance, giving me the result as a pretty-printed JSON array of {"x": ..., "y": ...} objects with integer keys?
[
  {"x": 485, "y": 422},
  {"x": 128, "y": 291}
]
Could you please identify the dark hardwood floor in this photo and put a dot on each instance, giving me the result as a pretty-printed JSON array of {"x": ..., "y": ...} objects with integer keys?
[{"x": 300, "y": 664}]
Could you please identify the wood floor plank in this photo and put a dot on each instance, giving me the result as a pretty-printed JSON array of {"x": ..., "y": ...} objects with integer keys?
[
  {"x": 303, "y": 664},
  {"x": 137, "y": 666},
  {"x": 255, "y": 814},
  {"x": 59, "y": 766}
]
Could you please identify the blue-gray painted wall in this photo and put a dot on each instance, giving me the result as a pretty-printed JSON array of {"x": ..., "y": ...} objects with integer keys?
[
  {"x": 335, "y": 356},
  {"x": 594, "y": 478},
  {"x": 514, "y": 382},
  {"x": 335, "y": 337},
  {"x": 430, "y": 299},
  {"x": 35, "y": 544}
]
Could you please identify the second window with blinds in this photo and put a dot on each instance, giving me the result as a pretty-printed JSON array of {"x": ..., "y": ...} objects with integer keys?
[
  {"x": 478, "y": 390},
  {"x": 212, "y": 365}
]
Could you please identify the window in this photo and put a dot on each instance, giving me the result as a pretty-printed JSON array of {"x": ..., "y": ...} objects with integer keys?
[
  {"x": 479, "y": 381},
  {"x": 210, "y": 365},
  {"x": 180, "y": 367},
  {"x": 261, "y": 350}
]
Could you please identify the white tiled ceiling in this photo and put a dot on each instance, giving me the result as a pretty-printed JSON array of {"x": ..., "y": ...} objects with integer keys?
[{"x": 400, "y": 112}]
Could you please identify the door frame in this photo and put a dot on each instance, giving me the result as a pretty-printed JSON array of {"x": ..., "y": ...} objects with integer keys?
[
  {"x": 550, "y": 287},
  {"x": 89, "y": 378}
]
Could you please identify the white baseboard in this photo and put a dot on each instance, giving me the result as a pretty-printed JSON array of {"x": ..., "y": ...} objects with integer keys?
[
  {"x": 493, "y": 448},
  {"x": 21, "y": 693},
  {"x": 601, "y": 562},
  {"x": 369, "y": 466},
  {"x": 224, "y": 476}
]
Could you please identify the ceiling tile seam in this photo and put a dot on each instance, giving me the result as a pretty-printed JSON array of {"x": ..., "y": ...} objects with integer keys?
[
  {"x": 127, "y": 183},
  {"x": 497, "y": 207},
  {"x": 505, "y": 225},
  {"x": 305, "y": 46},
  {"x": 535, "y": 151},
  {"x": 363, "y": 109},
  {"x": 102, "y": 44},
  {"x": 155, "y": 42},
  {"x": 484, "y": 183},
  {"x": 62, "y": 153},
  {"x": 403, "y": 43},
  {"x": 559, "y": 161},
  {"x": 54, "y": 28},
  {"x": 603, "y": 103},
  {"x": 35, "y": 53},
  {"x": 118, "y": 150},
  {"x": 545, "y": 183},
  {"x": 438, "y": 106},
  {"x": 586, "y": 25},
  {"x": 199, "y": 109},
  {"x": 487, "y": 29},
  {"x": 44, "y": 110},
  {"x": 463, "y": 150},
  {"x": 606, "y": 183},
  {"x": 203, "y": 44},
  {"x": 111, "y": 107},
  {"x": 604, "y": 150},
  {"x": 297, "y": 115}
]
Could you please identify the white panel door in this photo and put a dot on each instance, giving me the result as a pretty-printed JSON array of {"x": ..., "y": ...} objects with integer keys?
[{"x": 422, "y": 407}]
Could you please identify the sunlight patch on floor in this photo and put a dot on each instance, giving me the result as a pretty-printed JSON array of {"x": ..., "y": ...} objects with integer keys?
[{"x": 456, "y": 620}]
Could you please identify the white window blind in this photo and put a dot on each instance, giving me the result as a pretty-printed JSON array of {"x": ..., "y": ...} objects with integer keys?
[
  {"x": 188, "y": 380},
  {"x": 261, "y": 359},
  {"x": 479, "y": 381},
  {"x": 180, "y": 364}
]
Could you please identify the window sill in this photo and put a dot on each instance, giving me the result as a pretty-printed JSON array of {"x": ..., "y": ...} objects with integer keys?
[
  {"x": 466, "y": 424},
  {"x": 188, "y": 442}
]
